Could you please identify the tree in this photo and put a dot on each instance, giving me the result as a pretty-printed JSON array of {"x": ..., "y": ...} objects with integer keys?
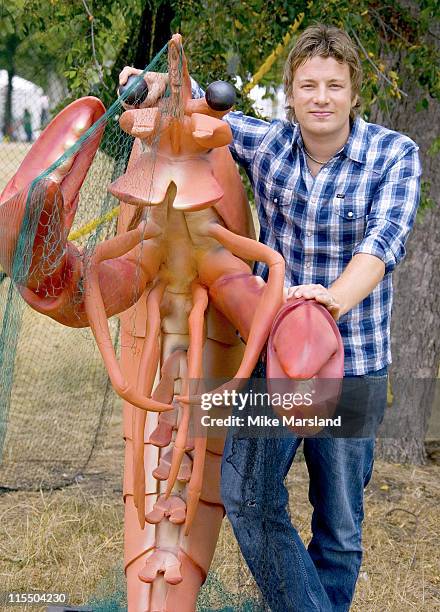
[
  {"x": 9, "y": 43},
  {"x": 8, "y": 57},
  {"x": 416, "y": 313},
  {"x": 148, "y": 35},
  {"x": 79, "y": 41}
]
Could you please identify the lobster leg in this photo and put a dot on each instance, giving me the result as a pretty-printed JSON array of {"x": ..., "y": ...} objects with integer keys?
[
  {"x": 173, "y": 369},
  {"x": 196, "y": 319},
  {"x": 196, "y": 480},
  {"x": 271, "y": 299},
  {"x": 195, "y": 372},
  {"x": 97, "y": 316},
  {"x": 269, "y": 302},
  {"x": 147, "y": 371}
]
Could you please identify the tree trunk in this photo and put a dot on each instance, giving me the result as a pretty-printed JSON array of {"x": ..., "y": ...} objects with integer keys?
[
  {"x": 11, "y": 45},
  {"x": 154, "y": 32},
  {"x": 8, "y": 118},
  {"x": 149, "y": 36},
  {"x": 416, "y": 313}
]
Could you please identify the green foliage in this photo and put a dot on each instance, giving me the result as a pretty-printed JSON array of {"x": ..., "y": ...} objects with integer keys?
[
  {"x": 234, "y": 38},
  {"x": 426, "y": 201},
  {"x": 225, "y": 39},
  {"x": 57, "y": 38},
  {"x": 434, "y": 148}
]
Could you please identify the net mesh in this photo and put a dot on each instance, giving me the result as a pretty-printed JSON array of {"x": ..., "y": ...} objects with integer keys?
[{"x": 214, "y": 596}]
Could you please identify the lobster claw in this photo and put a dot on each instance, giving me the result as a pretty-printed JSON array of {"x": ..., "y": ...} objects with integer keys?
[
  {"x": 44, "y": 189},
  {"x": 57, "y": 139},
  {"x": 312, "y": 363}
]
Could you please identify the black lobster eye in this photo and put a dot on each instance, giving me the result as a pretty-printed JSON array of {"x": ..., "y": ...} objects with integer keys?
[
  {"x": 220, "y": 95},
  {"x": 139, "y": 92}
]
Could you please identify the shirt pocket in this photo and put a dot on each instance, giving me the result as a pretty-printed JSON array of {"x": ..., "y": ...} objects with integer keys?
[
  {"x": 282, "y": 204},
  {"x": 282, "y": 196},
  {"x": 348, "y": 221}
]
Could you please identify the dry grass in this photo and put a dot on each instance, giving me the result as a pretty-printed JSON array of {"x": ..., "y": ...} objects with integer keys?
[
  {"x": 57, "y": 395},
  {"x": 11, "y": 156},
  {"x": 71, "y": 539},
  {"x": 402, "y": 563},
  {"x": 66, "y": 540},
  {"x": 59, "y": 542}
]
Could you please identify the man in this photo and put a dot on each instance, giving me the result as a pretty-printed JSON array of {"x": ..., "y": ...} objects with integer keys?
[
  {"x": 337, "y": 197},
  {"x": 27, "y": 124}
]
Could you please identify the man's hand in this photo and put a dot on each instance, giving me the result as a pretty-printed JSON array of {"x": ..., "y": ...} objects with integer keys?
[
  {"x": 156, "y": 81},
  {"x": 356, "y": 282},
  {"x": 318, "y": 293}
]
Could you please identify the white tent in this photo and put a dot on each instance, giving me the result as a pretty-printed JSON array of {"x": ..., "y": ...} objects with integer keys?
[
  {"x": 25, "y": 94},
  {"x": 272, "y": 107}
]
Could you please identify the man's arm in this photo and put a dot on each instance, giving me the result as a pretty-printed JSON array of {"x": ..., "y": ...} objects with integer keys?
[
  {"x": 247, "y": 132},
  {"x": 356, "y": 282},
  {"x": 390, "y": 221},
  {"x": 360, "y": 277}
]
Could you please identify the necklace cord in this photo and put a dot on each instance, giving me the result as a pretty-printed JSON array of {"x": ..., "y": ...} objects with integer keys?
[{"x": 320, "y": 162}]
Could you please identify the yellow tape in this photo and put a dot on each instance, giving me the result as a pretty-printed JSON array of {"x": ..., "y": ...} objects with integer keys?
[
  {"x": 269, "y": 61},
  {"x": 264, "y": 68},
  {"x": 89, "y": 227},
  {"x": 390, "y": 394}
]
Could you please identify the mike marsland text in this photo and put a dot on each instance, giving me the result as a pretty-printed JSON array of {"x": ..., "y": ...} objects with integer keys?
[{"x": 266, "y": 421}]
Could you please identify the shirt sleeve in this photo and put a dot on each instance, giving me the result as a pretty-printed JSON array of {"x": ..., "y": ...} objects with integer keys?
[
  {"x": 393, "y": 211},
  {"x": 196, "y": 90},
  {"x": 247, "y": 132}
]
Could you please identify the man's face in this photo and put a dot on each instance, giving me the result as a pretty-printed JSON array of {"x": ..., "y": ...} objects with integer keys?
[{"x": 321, "y": 96}]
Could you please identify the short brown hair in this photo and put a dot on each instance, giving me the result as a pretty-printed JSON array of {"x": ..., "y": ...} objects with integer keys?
[{"x": 324, "y": 41}]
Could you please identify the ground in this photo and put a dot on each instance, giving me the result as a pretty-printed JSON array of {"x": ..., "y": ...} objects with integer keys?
[{"x": 71, "y": 539}]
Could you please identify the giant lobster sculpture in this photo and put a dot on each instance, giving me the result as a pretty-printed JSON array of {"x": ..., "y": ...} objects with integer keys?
[{"x": 183, "y": 268}]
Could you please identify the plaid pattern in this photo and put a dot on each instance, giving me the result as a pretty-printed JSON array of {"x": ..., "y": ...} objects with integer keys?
[{"x": 364, "y": 200}]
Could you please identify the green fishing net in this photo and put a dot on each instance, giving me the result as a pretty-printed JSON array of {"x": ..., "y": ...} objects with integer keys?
[
  {"x": 55, "y": 397},
  {"x": 214, "y": 596}
]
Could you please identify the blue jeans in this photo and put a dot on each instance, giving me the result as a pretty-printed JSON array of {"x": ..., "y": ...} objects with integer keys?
[{"x": 291, "y": 577}]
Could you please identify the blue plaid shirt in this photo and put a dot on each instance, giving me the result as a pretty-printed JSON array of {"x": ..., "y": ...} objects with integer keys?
[{"x": 364, "y": 200}]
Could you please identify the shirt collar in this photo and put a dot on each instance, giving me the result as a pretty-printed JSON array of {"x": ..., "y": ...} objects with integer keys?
[
  {"x": 356, "y": 146},
  {"x": 296, "y": 137}
]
